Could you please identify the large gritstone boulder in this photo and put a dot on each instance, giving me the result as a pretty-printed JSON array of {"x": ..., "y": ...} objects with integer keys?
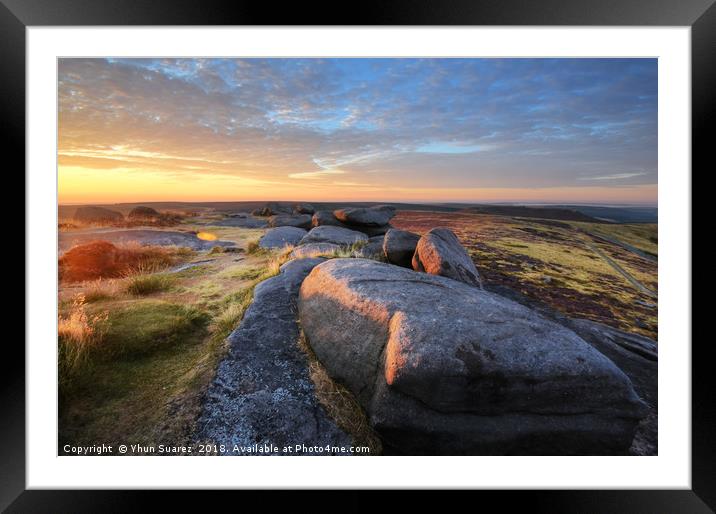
[
  {"x": 290, "y": 220},
  {"x": 445, "y": 368},
  {"x": 92, "y": 214},
  {"x": 335, "y": 235},
  {"x": 399, "y": 247},
  {"x": 281, "y": 236},
  {"x": 439, "y": 252},
  {"x": 377, "y": 216}
]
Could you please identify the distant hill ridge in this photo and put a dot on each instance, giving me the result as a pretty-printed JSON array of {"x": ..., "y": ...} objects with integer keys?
[
  {"x": 585, "y": 213},
  {"x": 521, "y": 211}
]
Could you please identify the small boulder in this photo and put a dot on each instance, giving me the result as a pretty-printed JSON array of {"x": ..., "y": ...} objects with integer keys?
[
  {"x": 313, "y": 250},
  {"x": 445, "y": 368},
  {"x": 93, "y": 214},
  {"x": 439, "y": 252},
  {"x": 335, "y": 235},
  {"x": 280, "y": 237},
  {"x": 143, "y": 213},
  {"x": 376, "y": 216},
  {"x": 303, "y": 208},
  {"x": 399, "y": 247},
  {"x": 326, "y": 218},
  {"x": 271, "y": 209},
  {"x": 373, "y": 249},
  {"x": 372, "y": 231},
  {"x": 290, "y": 220}
]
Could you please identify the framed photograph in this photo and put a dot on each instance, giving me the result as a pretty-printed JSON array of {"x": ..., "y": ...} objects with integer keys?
[{"x": 443, "y": 247}]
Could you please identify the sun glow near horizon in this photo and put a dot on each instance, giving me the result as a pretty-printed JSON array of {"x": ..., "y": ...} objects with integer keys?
[{"x": 464, "y": 130}]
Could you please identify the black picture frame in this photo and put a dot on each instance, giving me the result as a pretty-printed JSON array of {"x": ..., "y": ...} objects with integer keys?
[{"x": 700, "y": 15}]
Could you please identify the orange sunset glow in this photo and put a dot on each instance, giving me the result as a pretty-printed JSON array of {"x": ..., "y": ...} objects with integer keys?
[{"x": 475, "y": 130}]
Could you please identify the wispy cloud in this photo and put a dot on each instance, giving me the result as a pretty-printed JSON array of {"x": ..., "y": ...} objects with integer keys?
[
  {"x": 316, "y": 174},
  {"x": 616, "y": 176},
  {"x": 415, "y": 123}
]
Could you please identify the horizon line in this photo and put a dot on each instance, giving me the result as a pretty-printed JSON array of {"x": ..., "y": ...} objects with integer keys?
[{"x": 419, "y": 202}]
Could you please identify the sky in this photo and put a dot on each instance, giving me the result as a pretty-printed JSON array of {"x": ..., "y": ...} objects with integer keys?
[{"x": 429, "y": 130}]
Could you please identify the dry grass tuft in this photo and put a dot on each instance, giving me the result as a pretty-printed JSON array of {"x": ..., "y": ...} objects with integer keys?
[
  {"x": 100, "y": 290},
  {"x": 78, "y": 334},
  {"x": 229, "y": 318},
  {"x": 340, "y": 404},
  {"x": 253, "y": 248},
  {"x": 146, "y": 284}
]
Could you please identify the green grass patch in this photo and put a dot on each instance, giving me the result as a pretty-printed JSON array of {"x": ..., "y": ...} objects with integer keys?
[
  {"x": 231, "y": 312},
  {"x": 143, "y": 285},
  {"x": 140, "y": 328},
  {"x": 244, "y": 273},
  {"x": 147, "y": 400}
]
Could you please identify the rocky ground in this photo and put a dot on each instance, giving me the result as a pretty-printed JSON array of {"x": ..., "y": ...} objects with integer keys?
[
  {"x": 444, "y": 364},
  {"x": 490, "y": 335}
]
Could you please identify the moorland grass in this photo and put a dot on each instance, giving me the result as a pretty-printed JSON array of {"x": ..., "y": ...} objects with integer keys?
[
  {"x": 147, "y": 284},
  {"x": 140, "y": 328},
  {"x": 643, "y": 236},
  {"x": 79, "y": 334}
]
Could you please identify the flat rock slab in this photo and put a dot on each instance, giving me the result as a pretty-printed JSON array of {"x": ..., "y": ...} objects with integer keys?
[
  {"x": 336, "y": 235},
  {"x": 280, "y": 237},
  {"x": 262, "y": 393},
  {"x": 144, "y": 237},
  {"x": 445, "y": 368}
]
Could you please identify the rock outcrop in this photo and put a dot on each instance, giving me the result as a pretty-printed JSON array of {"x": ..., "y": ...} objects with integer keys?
[
  {"x": 290, "y": 220},
  {"x": 321, "y": 218},
  {"x": 262, "y": 393},
  {"x": 140, "y": 213},
  {"x": 372, "y": 221},
  {"x": 280, "y": 237},
  {"x": 439, "y": 252},
  {"x": 445, "y": 368},
  {"x": 303, "y": 208},
  {"x": 373, "y": 249},
  {"x": 271, "y": 209},
  {"x": 335, "y": 235},
  {"x": 93, "y": 214},
  {"x": 372, "y": 231},
  {"x": 399, "y": 247},
  {"x": 377, "y": 216}
]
